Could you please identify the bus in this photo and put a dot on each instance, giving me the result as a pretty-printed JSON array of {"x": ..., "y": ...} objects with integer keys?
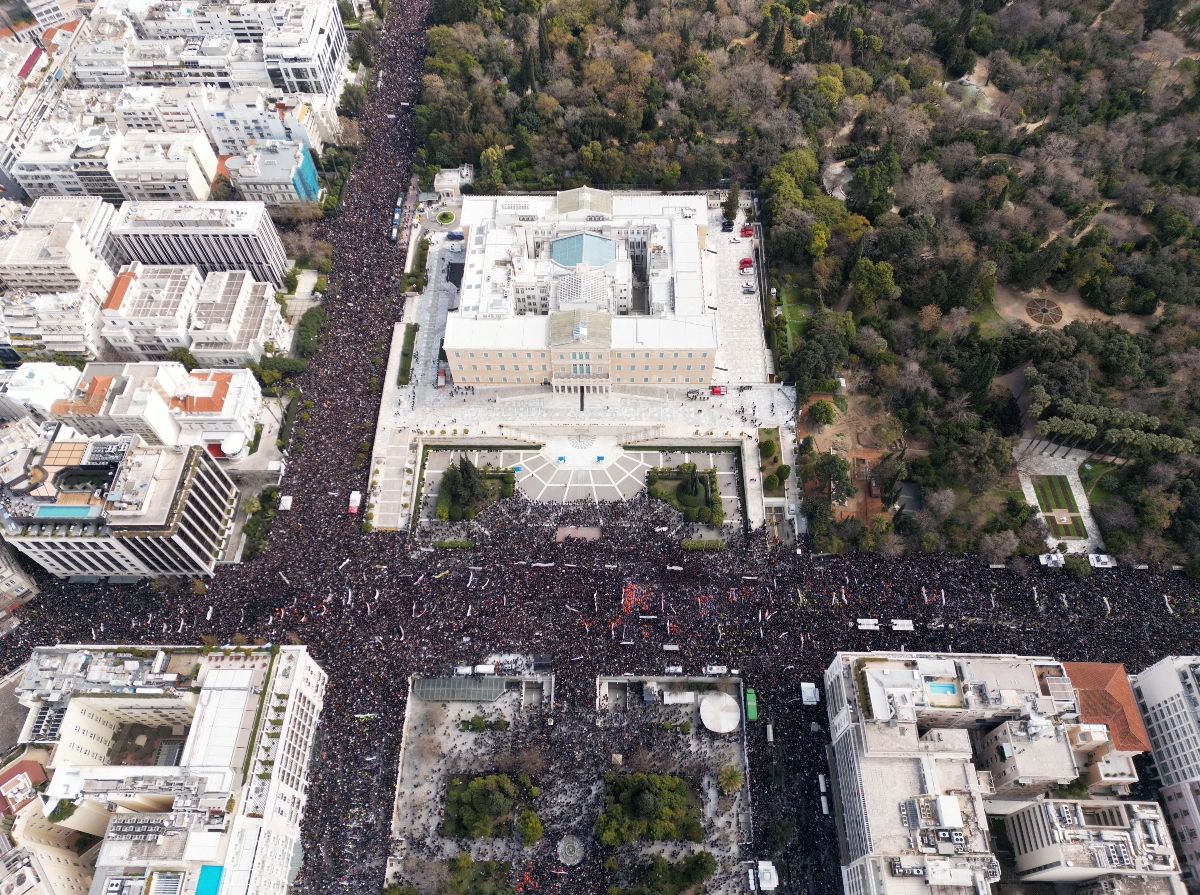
[
  {"x": 397, "y": 216},
  {"x": 751, "y": 705}
]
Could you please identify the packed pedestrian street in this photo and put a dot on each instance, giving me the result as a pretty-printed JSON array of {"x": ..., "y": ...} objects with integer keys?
[{"x": 376, "y": 607}]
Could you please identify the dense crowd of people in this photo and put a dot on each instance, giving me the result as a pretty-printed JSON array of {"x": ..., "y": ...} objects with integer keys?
[{"x": 377, "y": 607}]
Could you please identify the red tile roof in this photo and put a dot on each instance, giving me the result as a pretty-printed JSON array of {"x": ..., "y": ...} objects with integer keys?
[
  {"x": 27, "y": 67},
  {"x": 120, "y": 287},
  {"x": 205, "y": 404},
  {"x": 1105, "y": 697},
  {"x": 92, "y": 401}
]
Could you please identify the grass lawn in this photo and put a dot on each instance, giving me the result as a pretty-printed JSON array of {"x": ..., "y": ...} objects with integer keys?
[
  {"x": 989, "y": 320},
  {"x": 1074, "y": 529},
  {"x": 1054, "y": 493},
  {"x": 794, "y": 314},
  {"x": 664, "y": 489},
  {"x": 1091, "y": 479}
]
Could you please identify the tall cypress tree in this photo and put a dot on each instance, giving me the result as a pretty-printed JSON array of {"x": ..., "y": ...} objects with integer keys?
[{"x": 544, "y": 54}]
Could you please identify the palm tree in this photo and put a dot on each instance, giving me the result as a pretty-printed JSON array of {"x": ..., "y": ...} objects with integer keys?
[{"x": 730, "y": 779}]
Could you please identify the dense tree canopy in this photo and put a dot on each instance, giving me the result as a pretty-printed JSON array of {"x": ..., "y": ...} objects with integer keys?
[{"x": 915, "y": 165}]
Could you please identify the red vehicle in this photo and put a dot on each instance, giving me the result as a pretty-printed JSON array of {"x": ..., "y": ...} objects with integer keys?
[
  {"x": 720, "y": 389},
  {"x": 745, "y": 264},
  {"x": 747, "y": 230}
]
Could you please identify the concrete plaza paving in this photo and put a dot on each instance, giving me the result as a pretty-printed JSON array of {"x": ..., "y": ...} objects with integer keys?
[{"x": 741, "y": 349}]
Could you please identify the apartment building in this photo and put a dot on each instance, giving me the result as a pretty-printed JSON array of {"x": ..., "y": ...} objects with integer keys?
[
  {"x": 188, "y": 765},
  {"x": 42, "y": 324},
  {"x": 56, "y": 282},
  {"x": 276, "y": 173},
  {"x": 58, "y": 258},
  {"x": 215, "y": 236},
  {"x": 16, "y": 586},
  {"x": 30, "y": 390},
  {"x": 32, "y": 76},
  {"x": 247, "y": 21},
  {"x": 95, "y": 507},
  {"x": 909, "y": 728},
  {"x": 91, "y": 214},
  {"x": 149, "y": 309},
  {"x": 234, "y": 119},
  {"x": 113, "y": 55},
  {"x": 164, "y": 167},
  {"x": 235, "y": 320},
  {"x": 68, "y": 155},
  {"x": 307, "y": 50},
  {"x": 165, "y": 405},
  {"x": 50, "y": 13},
  {"x": 1168, "y": 695}
]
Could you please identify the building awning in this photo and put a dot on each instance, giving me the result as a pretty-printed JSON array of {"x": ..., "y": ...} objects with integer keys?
[{"x": 459, "y": 689}]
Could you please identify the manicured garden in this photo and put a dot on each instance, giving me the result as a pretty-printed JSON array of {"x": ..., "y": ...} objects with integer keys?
[
  {"x": 1054, "y": 493},
  {"x": 658, "y": 876},
  {"x": 415, "y": 279},
  {"x": 774, "y": 471},
  {"x": 260, "y": 512},
  {"x": 1056, "y": 500},
  {"x": 1073, "y": 529},
  {"x": 692, "y": 492}
]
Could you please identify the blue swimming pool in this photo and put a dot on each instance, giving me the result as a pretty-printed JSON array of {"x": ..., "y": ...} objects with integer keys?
[
  {"x": 67, "y": 512},
  {"x": 210, "y": 879},
  {"x": 943, "y": 689}
]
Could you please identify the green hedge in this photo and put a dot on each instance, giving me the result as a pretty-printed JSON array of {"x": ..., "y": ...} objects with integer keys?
[
  {"x": 415, "y": 280},
  {"x": 444, "y": 500},
  {"x": 699, "y": 544},
  {"x": 406, "y": 353},
  {"x": 309, "y": 330},
  {"x": 289, "y": 418},
  {"x": 455, "y": 545}
]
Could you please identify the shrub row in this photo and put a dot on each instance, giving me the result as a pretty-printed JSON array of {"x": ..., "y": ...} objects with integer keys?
[{"x": 309, "y": 330}]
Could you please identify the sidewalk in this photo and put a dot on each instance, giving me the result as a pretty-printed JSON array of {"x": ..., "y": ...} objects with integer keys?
[{"x": 390, "y": 492}]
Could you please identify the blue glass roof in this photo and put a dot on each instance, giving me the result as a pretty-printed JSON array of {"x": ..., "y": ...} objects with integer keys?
[{"x": 583, "y": 248}]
